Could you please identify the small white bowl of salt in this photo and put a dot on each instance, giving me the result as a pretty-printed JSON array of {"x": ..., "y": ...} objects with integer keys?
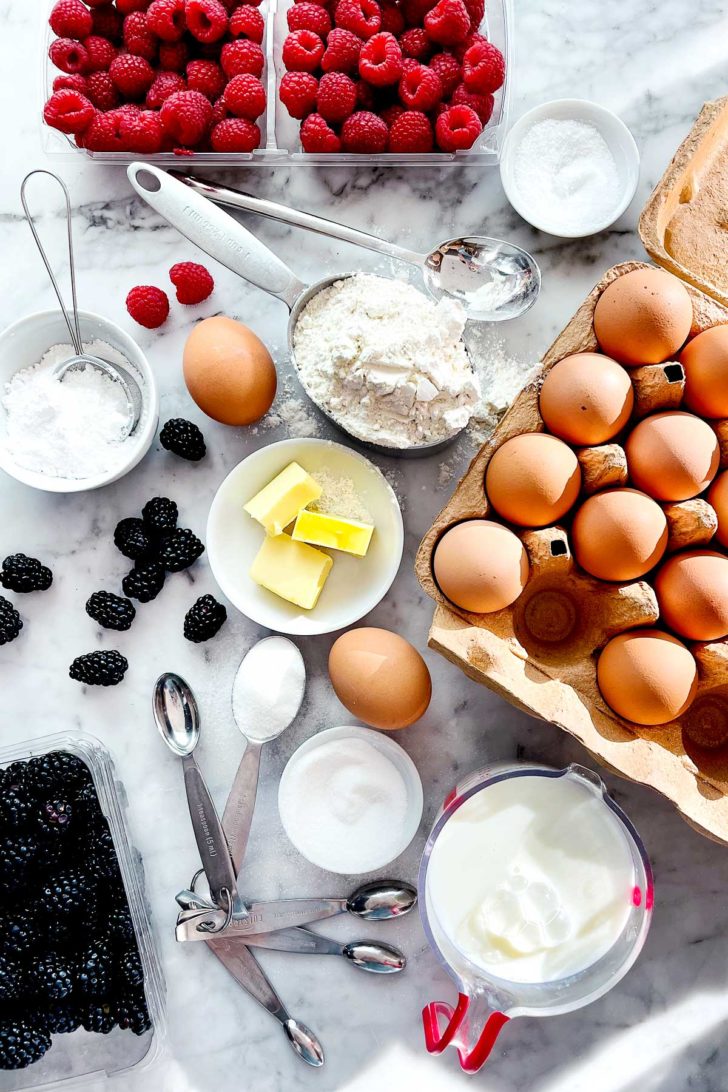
[{"x": 570, "y": 167}]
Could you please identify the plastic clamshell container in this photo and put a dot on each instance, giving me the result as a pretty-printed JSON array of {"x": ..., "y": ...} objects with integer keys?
[
  {"x": 280, "y": 143},
  {"x": 85, "y": 1056}
]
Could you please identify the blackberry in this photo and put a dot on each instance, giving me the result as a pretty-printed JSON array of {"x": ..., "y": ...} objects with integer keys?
[
  {"x": 183, "y": 438},
  {"x": 16, "y": 807},
  {"x": 98, "y": 1016},
  {"x": 25, "y": 574},
  {"x": 87, "y": 805},
  {"x": 10, "y": 621},
  {"x": 120, "y": 927},
  {"x": 179, "y": 550},
  {"x": 55, "y": 818},
  {"x": 66, "y": 894},
  {"x": 133, "y": 539},
  {"x": 22, "y": 1042},
  {"x": 18, "y": 854},
  {"x": 94, "y": 970},
  {"x": 132, "y": 1012},
  {"x": 160, "y": 515},
  {"x": 52, "y": 976},
  {"x": 145, "y": 581},
  {"x": 111, "y": 611},
  {"x": 12, "y": 981},
  {"x": 61, "y": 1017},
  {"x": 204, "y": 619},
  {"x": 18, "y": 932},
  {"x": 56, "y": 770},
  {"x": 102, "y": 862},
  {"x": 130, "y": 969},
  {"x": 99, "y": 668}
]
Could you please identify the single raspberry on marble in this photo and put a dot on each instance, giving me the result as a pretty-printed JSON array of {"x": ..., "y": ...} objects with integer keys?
[
  {"x": 380, "y": 60},
  {"x": 457, "y": 128},
  {"x": 317, "y": 135},
  {"x": 420, "y": 88},
  {"x": 133, "y": 76},
  {"x": 68, "y": 55},
  {"x": 102, "y": 91},
  {"x": 364, "y": 133},
  {"x": 392, "y": 18},
  {"x": 448, "y": 22},
  {"x": 337, "y": 97},
  {"x": 166, "y": 19},
  {"x": 186, "y": 117},
  {"x": 484, "y": 69},
  {"x": 138, "y": 38},
  {"x": 206, "y": 77},
  {"x": 164, "y": 85},
  {"x": 448, "y": 69},
  {"x": 73, "y": 80},
  {"x": 207, "y": 20},
  {"x": 361, "y": 17},
  {"x": 415, "y": 43},
  {"x": 99, "y": 53},
  {"x": 147, "y": 305},
  {"x": 302, "y": 51},
  {"x": 297, "y": 92},
  {"x": 193, "y": 283},
  {"x": 173, "y": 56},
  {"x": 308, "y": 16},
  {"x": 107, "y": 22},
  {"x": 71, "y": 19},
  {"x": 245, "y": 96},
  {"x": 242, "y": 56},
  {"x": 142, "y": 132},
  {"x": 69, "y": 111},
  {"x": 482, "y": 104},
  {"x": 235, "y": 135},
  {"x": 247, "y": 22},
  {"x": 342, "y": 51},
  {"x": 411, "y": 133}
]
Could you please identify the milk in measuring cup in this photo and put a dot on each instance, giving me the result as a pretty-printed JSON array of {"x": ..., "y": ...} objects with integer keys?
[{"x": 532, "y": 878}]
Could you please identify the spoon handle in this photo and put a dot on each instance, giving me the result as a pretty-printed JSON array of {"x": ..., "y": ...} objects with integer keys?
[
  {"x": 238, "y": 815},
  {"x": 211, "y": 841}
]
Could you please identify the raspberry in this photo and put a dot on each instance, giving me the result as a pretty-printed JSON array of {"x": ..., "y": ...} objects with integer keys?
[
  {"x": 165, "y": 84},
  {"x": 303, "y": 51},
  {"x": 390, "y": 114},
  {"x": 448, "y": 22},
  {"x": 476, "y": 11},
  {"x": 336, "y": 98},
  {"x": 69, "y": 111},
  {"x": 364, "y": 133},
  {"x": 147, "y": 305},
  {"x": 138, "y": 38},
  {"x": 456, "y": 128},
  {"x": 392, "y": 18},
  {"x": 242, "y": 56},
  {"x": 107, "y": 22},
  {"x": 307, "y": 16},
  {"x": 380, "y": 60},
  {"x": 103, "y": 133},
  {"x": 461, "y": 48},
  {"x": 482, "y": 104},
  {"x": 483, "y": 68},
  {"x": 361, "y": 17},
  {"x": 142, "y": 132},
  {"x": 99, "y": 53},
  {"x": 133, "y": 76},
  {"x": 219, "y": 112},
  {"x": 235, "y": 135},
  {"x": 102, "y": 92},
  {"x": 247, "y": 22},
  {"x": 318, "y": 136},
  {"x": 449, "y": 71},
  {"x": 206, "y": 77},
  {"x": 297, "y": 92},
  {"x": 207, "y": 20},
  {"x": 71, "y": 19},
  {"x": 245, "y": 96},
  {"x": 166, "y": 19},
  {"x": 125, "y": 6},
  {"x": 411, "y": 132},
  {"x": 192, "y": 282},
  {"x": 415, "y": 43},
  {"x": 186, "y": 117},
  {"x": 342, "y": 51},
  {"x": 415, "y": 11},
  {"x": 365, "y": 97},
  {"x": 420, "y": 88},
  {"x": 68, "y": 55},
  {"x": 74, "y": 80}
]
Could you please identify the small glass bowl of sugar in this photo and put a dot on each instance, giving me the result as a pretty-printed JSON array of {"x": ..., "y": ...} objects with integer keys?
[{"x": 570, "y": 167}]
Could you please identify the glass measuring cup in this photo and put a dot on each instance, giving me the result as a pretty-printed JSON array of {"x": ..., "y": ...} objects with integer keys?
[{"x": 486, "y": 1002}]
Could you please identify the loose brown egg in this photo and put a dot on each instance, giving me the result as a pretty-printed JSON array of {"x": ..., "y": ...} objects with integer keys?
[
  {"x": 480, "y": 566},
  {"x": 647, "y": 676},
  {"x": 228, "y": 371},
  {"x": 533, "y": 479},
  {"x": 718, "y": 497},
  {"x": 672, "y": 456},
  {"x": 705, "y": 360},
  {"x": 692, "y": 592},
  {"x": 643, "y": 317},
  {"x": 380, "y": 677},
  {"x": 619, "y": 534},
  {"x": 586, "y": 399}
]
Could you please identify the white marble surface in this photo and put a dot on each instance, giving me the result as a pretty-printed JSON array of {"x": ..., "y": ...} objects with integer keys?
[{"x": 664, "y": 1026}]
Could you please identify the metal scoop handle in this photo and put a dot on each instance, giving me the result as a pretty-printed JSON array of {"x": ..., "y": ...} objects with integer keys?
[{"x": 215, "y": 232}]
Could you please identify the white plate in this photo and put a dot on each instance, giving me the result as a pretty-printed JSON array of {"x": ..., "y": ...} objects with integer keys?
[{"x": 355, "y": 584}]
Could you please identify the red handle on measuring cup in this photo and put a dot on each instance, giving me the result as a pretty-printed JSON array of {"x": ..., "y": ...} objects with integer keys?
[{"x": 472, "y": 1057}]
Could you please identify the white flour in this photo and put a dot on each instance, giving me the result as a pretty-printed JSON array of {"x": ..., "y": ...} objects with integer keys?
[
  {"x": 386, "y": 361},
  {"x": 69, "y": 429}
]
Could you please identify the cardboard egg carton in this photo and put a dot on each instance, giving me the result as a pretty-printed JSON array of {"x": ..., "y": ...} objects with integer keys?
[{"x": 540, "y": 654}]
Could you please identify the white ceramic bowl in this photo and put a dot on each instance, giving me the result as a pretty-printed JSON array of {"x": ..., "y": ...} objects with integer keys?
[
  {"x": 619, "y": 141},
  {"x": 396, "y": 754},
  {"x": 355, "y": 584},
  {"x": 26, "y": 341}
]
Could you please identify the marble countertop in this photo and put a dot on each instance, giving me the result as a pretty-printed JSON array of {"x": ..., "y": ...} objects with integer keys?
[{"x": 664, "y": 1026}]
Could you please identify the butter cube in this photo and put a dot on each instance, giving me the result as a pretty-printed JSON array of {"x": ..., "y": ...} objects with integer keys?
[
  {"x": 292, "y": 570},
  {"x": 279, "y": 502},
  {"x": 335, "y": 532}
]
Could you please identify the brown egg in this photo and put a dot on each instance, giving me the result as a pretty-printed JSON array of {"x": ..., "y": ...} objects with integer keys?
[
  {"x": 619, "y": 534},
  {"x": 480, "y": 566},
  {"x": 643, "y": 317},
  {"x": 718, "y": 497},
  {"x": 533, "y": 479},
  {"x": 380, "y": 678},
  {"x": 705, "y": 360},
  {"x": 672, "y": 456},
  {"x": 647, "y": 676},
  {"x": 586, "y": 398},
  {"x": 692, "y": 591},
  {"x": 229, "y": 372}
]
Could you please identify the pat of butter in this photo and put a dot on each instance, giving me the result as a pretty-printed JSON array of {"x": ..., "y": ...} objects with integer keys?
[
  {"x": 279, "y": 502},
  {"x": 294, "y": 571},
  {"x": 335, "y": 532}
]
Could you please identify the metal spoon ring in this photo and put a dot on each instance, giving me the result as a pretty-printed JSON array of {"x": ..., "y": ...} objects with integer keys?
[{"x": 209, "y": 926}]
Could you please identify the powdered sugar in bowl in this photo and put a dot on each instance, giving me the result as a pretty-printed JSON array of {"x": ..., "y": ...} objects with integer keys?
[{"x": 22, "y": 346}]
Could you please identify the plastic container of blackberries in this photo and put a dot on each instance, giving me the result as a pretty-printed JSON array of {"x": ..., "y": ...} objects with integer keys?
[
  {"x": 89, "y": 1056},
  {"x": 280, "y": 143}
]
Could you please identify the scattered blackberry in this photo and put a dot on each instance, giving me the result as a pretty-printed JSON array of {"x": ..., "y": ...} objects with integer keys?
[
  {"x": 183, "y": 438},
  {"x": 52, "y": 976},
  {"x": 25, "y": 574},
  {"x": 94, "y": 970},
  {"x": 18, "y": 854},
  {"x": 132, "y": 1012},
  {"x": 179, "y": 550},
  {"x": 98, "y": 1016},
  {"x": 204, "y": 619},
  {"x": 130, "y": 969},
  {"x": 99, "y": 668},
  {"x": 133, "y": 539},
  {"x": 119, "y": 924},
  {"x": 160, "y": 515},
  {"x": 10, "y": 621},
  {"x": 22, "y": 1043},
  {"x": 16, "y": 807},
  {"x": 145, "y": 581},
  {"x": 55, "y": 770},
  {"x": 60, "y": 1017},
  {"x": 111, "y": 611},
  {"x": 55, "y": 818},
  {"x": 66, "y": 894}
]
